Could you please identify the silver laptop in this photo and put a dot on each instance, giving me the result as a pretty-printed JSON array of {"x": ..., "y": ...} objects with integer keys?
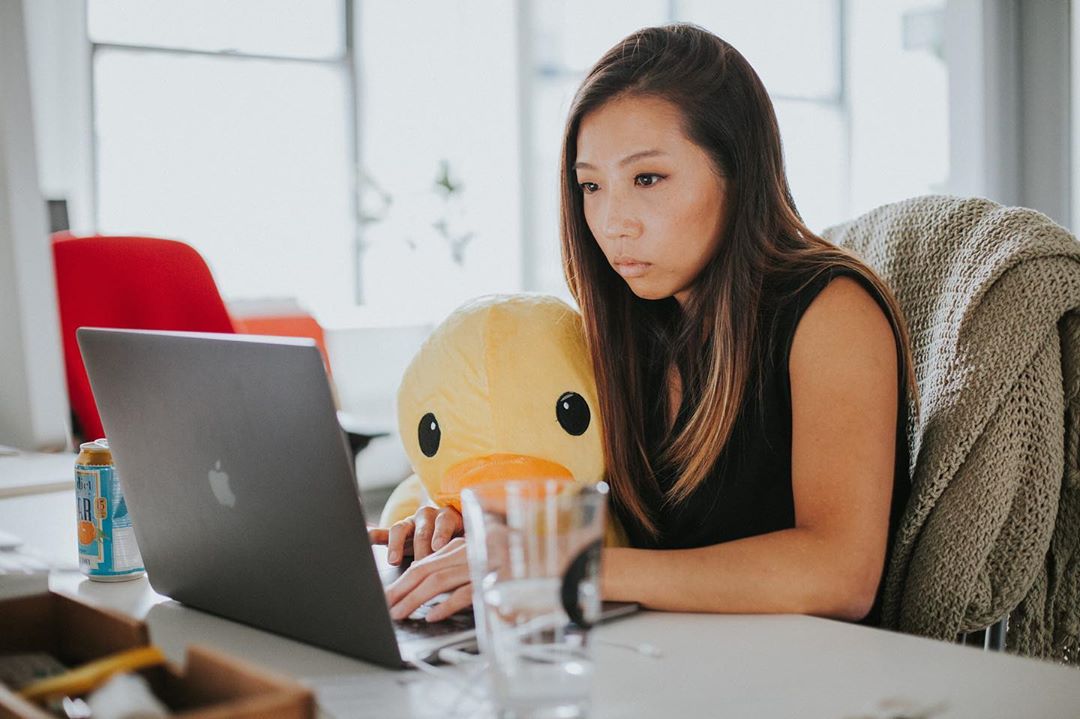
[{"x": 242, "y": 489}]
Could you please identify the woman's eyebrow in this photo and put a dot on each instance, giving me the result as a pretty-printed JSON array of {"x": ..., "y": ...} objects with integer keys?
[{"x": 625, "y": 161}]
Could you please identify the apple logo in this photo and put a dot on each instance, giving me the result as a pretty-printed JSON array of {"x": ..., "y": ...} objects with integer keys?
[{"x": 219, "y": 483}]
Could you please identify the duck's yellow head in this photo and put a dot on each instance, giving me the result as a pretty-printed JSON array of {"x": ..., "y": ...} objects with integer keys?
[{"x": 502, "y": 389}]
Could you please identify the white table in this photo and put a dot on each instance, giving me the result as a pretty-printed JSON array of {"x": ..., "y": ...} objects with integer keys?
[
  {"x": 34, "y": 472},
  {"x": 731, "y": 666}
]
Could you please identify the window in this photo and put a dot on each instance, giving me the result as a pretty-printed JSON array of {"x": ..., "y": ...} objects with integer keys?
[
  {"x": 898, "y": 102},
  {"x": 566, "y": 39},
  {"x": 229, "y": 126},
  {"x": 404, "y": 156},
  {"x": 441, "y": 157},
  {"x": 859, "y": 90}
]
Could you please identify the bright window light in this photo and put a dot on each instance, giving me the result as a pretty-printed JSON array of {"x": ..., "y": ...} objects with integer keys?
[
  {"x": 446, "y": 109},
  {"x": 246, "y": 159},
  {"x": 859, "y": 88},
  {"x": 798, "y": 57},
  {"x": 282, "y": 28}
]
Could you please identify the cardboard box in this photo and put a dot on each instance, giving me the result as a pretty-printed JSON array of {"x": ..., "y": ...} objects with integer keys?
[{"x": 211, "y": 686}]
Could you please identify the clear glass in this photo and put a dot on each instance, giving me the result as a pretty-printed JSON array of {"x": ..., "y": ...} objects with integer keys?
[
  {"x": 312, "y": 29},
  {"x": 534, "y": 559},
  {"x": 246, "y": 159}
]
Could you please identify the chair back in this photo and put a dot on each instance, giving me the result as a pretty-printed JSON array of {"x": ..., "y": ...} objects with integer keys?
[
  {"x": 144, "y": 283},
  {"x": 991, "y": 295}
]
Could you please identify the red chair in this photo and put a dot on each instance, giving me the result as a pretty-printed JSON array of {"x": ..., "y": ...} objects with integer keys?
[
  {"x": 129, "y": 283},
  {"x": 146, "y": 283}
]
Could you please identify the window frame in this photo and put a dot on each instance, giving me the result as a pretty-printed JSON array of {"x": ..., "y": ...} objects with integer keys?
[
  {"x": 533, "y": 74},
  {"x": 345, "y": 62}
]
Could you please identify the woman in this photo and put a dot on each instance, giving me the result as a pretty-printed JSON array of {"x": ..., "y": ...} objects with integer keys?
[{"x": 752, "y": 377}]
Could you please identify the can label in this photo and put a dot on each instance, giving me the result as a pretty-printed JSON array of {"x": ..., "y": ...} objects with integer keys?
[{"x": 107, "y": 545}]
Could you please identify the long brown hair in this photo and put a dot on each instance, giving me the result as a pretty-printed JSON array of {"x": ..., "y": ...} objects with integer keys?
[{"x": 714, "y": 341}]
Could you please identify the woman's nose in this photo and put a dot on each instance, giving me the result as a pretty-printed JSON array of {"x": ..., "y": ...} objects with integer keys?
[{"x": 620, "y": 220}]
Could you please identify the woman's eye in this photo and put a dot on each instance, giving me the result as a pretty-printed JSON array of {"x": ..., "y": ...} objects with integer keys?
[
  {"x": 588, "y": 187},
  {"x": 647, "y": 179}
]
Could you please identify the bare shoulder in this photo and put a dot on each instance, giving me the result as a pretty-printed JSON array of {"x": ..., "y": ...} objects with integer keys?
[
  {"x": 844, "y": 334},
  {"x": 844, "y": 428}
]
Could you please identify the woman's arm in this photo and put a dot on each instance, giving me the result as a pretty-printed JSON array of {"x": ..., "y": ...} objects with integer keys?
[{"x": 843, "y": 370}]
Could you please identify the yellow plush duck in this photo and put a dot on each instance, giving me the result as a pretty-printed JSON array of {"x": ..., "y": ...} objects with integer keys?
[{"x": 502, "y": 389}]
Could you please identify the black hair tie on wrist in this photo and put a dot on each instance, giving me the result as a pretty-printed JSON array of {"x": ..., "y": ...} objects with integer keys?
[{"x": 584, "y": 564}]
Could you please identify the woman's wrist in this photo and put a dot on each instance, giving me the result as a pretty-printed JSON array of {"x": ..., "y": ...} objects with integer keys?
[{"x": 611, "y": 575}]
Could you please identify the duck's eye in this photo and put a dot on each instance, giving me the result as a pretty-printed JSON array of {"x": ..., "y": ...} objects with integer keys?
[
  {"x": 429, "y": 435},
  {"x": 572, "y": 412}
]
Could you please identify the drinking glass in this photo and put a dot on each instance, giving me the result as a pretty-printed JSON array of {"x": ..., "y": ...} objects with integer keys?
[{"x": 534, "y": 550}]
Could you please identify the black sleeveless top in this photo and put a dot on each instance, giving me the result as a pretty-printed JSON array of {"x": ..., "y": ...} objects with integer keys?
[{"x": 749, "y": 490}]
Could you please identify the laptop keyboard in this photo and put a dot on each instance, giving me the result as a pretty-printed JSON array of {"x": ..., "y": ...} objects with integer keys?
[{"x": 416, "y": 625}]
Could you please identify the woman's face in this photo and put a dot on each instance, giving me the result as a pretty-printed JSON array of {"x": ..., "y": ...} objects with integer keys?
[{"x": 652, "y": 198}]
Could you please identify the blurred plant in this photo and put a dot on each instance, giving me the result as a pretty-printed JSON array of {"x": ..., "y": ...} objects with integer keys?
[
  {"x": 374, "y": 211},
  {"x": 451, "y": 192},
  {"x": 376, "y": 205}
]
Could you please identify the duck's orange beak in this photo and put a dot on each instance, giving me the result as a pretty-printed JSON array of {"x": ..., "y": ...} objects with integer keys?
[{"x": 496, "y": 468}]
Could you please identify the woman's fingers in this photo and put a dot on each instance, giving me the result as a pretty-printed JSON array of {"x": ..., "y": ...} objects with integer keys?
[
  {"x": 425, "y": 528},
  {"x": 434, "y": 584},
  {"x": 448, "y": 524},
  {"x": 444, "y": 571},
  {"x": 421, "y": 534},
  {"x": 458, "y": 600},
  {"x": 441, "y": 564},
  {"x": 451, "y": 555},
  {"x": 400, "y": 540}
]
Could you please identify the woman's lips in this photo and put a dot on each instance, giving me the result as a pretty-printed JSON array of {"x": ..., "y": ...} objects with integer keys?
[{"x": 632, "y": 268}]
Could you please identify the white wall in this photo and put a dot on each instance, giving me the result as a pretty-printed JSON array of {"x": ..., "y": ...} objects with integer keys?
[
  {"x": 1044, "y": 102},
  {"x": 1075, "y": 109},
  {"x": 898, "y": 102},
  {"x": 1009, "y": 103},
  {"x": 33, "y": 401},
  {"x": 59, "y": 54}
]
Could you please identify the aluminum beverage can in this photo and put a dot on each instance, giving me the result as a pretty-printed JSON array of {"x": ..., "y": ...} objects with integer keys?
[{"x": 107, "y": 548}]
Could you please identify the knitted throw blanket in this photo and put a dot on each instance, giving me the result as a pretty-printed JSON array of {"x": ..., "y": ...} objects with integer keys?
[{"x": 993, "y": 524}]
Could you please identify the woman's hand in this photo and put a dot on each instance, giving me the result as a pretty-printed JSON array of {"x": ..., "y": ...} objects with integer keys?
[
  {"x": 445, "y": 570},
  {"x": 426, "y": 531}
]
